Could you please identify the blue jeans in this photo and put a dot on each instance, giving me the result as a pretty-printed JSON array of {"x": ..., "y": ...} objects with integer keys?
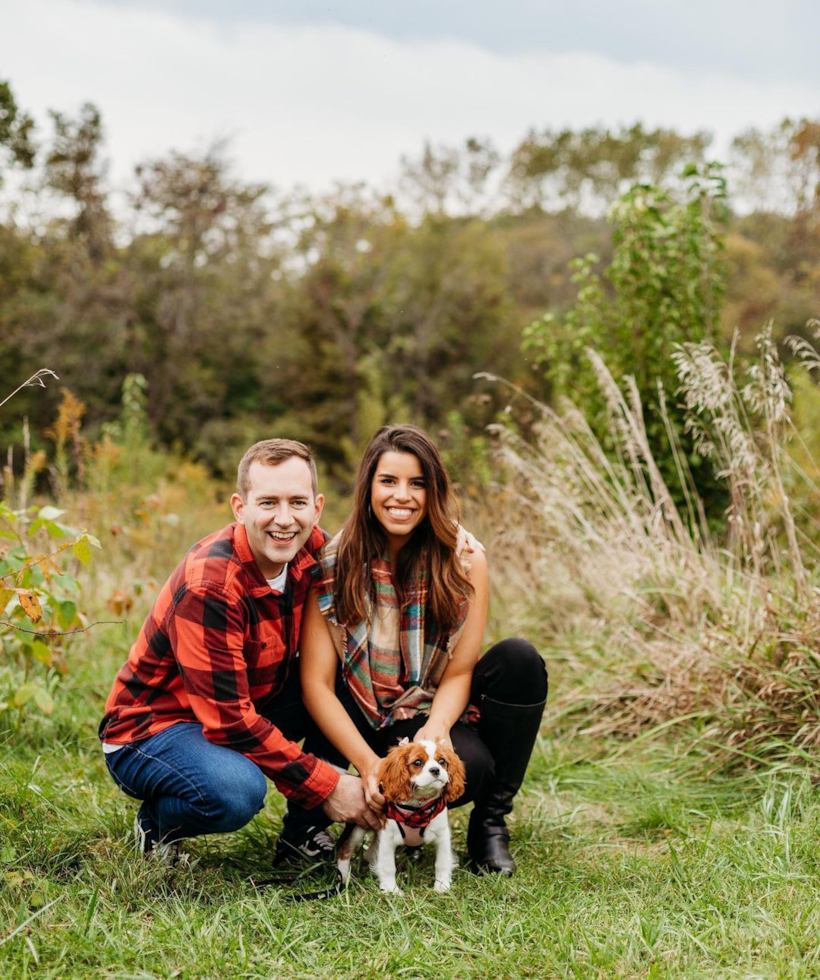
[{"x": 190, "y": 786}]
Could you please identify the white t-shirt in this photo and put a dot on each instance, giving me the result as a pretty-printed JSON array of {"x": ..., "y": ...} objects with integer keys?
[{"x": 278, "y": 583}]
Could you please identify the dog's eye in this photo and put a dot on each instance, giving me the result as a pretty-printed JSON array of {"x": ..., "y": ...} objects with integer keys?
[
  {"x": 418, "y": 763},
  {"x": 442, "y": 762}
]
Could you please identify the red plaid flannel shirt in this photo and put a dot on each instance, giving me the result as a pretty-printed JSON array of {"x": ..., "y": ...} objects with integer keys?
[{"x": 216, "y": 647}]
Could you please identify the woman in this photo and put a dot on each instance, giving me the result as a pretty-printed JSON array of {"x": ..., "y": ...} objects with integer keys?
[{"x": 401, "y": 603}]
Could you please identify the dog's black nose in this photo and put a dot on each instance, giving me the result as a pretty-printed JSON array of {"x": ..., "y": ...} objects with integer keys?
[{"x": 434, "y": 770}]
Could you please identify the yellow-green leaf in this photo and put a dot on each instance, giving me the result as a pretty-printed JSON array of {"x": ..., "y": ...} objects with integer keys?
[
  {"x": 5, "y": 596},
  {"x": 43, "y": 700},
  {"x": 24, "y": 694},
  {"x": 81, "y": 550},
  {"x": 41, "y": 652}
]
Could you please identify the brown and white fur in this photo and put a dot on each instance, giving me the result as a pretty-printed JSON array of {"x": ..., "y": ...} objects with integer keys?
[{"x": 414, "y": 774}]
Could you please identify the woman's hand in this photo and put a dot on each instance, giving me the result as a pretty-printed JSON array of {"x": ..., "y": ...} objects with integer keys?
[
  {"x": 432, "y": 732},
  {"x": 370, "y": 784}
]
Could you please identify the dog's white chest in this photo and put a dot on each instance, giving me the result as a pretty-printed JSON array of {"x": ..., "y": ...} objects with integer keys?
[{"x": 413, "y": 837}]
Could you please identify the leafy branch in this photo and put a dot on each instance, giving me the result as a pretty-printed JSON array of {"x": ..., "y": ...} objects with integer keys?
[{"x": 83, "y": 629}]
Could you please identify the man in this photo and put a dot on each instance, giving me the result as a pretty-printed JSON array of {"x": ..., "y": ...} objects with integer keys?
[{"x": 209, "y": 702}]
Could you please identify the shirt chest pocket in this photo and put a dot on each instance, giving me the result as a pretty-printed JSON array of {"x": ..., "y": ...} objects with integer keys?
[
  {"x": 256, "y": 653},
  {"x": 265, "y": 659},
  {"x": 263, "y": 651}
]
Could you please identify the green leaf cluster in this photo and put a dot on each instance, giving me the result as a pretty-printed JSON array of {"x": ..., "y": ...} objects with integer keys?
[
  {"x": 39, "y": 611},
  {"x": 664, "y": 286}
]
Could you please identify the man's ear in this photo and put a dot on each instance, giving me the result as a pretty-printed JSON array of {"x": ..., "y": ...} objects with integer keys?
[
  {"x": 237, "y": 504},
  {"x": 319, "y": 501}
]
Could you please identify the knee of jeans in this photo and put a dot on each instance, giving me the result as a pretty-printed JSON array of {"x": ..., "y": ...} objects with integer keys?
[
  {"x": 524, "y": 667},
  {"x": 233, "y": 802}
]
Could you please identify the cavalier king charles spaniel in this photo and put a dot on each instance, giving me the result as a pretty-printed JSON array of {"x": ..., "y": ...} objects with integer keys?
[{"x": 418, "y": 780}]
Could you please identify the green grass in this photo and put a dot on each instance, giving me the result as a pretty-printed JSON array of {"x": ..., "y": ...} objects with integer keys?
[{"x": 633, "y": 863}]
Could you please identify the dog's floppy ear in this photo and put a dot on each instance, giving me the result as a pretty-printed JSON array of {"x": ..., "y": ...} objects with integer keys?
[
  {"x": 458, "y": 776},
  {"x": 394, "y": 776}
]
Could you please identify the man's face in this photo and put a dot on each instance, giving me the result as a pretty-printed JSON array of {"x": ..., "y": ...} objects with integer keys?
[{"x": 278, "y": 513}]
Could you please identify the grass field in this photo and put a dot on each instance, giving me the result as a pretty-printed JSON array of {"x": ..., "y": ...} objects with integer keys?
[
  {"x": 641, "y": 853},
  {"x": 634, "y": 862}
]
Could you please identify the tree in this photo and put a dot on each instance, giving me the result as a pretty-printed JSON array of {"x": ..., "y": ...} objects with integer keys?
[
  {"x": 666, "y": 284},
  {"x": 590, "y": 167},
  {"x": 450, "y": 179},
  {"x": 74, "y": 169},
  {"x": 16, "y": 130}
]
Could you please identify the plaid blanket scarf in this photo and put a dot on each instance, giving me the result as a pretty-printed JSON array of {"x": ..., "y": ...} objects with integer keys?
[{"x": 393, "y": 660}]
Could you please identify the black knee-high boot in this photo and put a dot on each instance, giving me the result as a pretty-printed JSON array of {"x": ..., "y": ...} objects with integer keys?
[{"x": 509, "y": 732}]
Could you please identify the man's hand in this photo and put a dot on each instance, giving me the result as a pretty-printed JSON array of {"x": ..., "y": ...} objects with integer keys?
[{"x": 347, "y": 804}]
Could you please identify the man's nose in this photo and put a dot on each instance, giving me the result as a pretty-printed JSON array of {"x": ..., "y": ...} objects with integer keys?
[{"x": 282, "y": 517}]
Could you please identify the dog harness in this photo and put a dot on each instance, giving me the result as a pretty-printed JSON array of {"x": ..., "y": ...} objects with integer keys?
[{"x": 416, "y": 817}]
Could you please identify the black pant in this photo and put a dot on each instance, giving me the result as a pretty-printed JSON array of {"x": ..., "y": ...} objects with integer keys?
[{"x": 511, "y": 672}]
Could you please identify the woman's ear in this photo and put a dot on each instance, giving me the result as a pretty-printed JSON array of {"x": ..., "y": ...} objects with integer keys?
[
  {"x": 394, "y": 776},
  {"x": 458, "y": 775}
]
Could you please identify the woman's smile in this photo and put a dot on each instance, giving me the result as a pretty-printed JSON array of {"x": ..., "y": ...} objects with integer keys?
[{"x": 398, "y": 496}]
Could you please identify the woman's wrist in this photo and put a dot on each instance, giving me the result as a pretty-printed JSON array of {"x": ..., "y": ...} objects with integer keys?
[
  {"x": 365, "y": 764},
  {"x": 436, "y": 728}
]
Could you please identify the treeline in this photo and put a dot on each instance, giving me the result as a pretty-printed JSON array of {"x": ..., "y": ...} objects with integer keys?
[{"x": 323, "y": 316}]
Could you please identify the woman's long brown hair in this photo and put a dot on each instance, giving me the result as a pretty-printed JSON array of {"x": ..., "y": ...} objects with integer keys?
[{"x": 432, "y": 543}]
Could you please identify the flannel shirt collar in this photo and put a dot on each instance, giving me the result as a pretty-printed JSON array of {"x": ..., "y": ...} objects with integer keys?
[{"x": 301, "y": 565}]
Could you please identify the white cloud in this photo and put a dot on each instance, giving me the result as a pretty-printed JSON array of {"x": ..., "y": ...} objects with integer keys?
[{"x": 314, "y": 104}]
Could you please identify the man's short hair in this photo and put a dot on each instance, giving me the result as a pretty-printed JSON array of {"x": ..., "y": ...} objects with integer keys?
[{"x": 271, "y": 452}]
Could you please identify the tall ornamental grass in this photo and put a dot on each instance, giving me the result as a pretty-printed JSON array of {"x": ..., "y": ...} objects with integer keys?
[{"x": 661, "y": 617}]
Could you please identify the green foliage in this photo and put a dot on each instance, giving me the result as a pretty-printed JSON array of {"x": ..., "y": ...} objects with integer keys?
[
  {"x": 15, "y": 130},
  {"x": 38, "y": 603},
  {"x": 663, "y": 287},
  {"x": 568, "y": 167},
  {"x": 250, "y": 312}
]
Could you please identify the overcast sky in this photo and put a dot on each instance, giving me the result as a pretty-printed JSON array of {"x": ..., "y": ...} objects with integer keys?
[{"x": 313, "y": 91}]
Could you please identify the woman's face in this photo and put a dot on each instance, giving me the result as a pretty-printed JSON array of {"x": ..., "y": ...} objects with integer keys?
[{"x": 398, "y": 496}]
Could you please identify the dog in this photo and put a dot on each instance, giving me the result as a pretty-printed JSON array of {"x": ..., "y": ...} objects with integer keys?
[{"x": 418, "y": 780}]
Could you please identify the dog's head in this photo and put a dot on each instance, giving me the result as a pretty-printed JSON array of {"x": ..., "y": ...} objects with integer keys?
[{"x": 421, "y": 769}]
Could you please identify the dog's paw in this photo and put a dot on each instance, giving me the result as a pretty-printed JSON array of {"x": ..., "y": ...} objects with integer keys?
[
  {"x": 441, "y": 886},
  {"x": 392, "y": 890}
]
